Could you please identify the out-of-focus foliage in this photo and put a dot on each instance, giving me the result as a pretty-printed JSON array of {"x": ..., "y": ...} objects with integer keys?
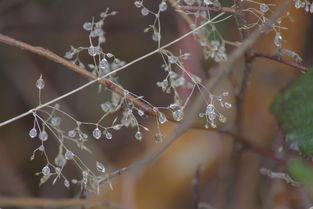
[
  {"x": 293, "y": 109},
  {"x": 301, "y": 172}
]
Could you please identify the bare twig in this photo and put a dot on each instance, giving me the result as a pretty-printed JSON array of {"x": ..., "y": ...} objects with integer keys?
[{"x": 256, "y": 54}]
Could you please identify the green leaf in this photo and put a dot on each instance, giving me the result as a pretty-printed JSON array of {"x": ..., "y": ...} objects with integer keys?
[
  {"x": 293, "y": 109},
  {"x": 301, "y": 172}
]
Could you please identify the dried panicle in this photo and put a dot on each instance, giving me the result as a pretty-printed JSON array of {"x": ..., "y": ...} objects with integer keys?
[{"x": 124, "y": 106}]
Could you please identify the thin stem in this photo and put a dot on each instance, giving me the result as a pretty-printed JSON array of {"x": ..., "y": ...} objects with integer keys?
[{"x": 213, "y": 9}]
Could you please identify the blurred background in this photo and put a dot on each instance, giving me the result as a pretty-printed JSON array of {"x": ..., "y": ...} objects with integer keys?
[{"x": 201, "y": 167}]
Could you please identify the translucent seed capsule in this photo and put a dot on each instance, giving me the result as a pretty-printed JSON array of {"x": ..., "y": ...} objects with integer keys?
[
  {"x": 69, "y": 155},
  {"x": 100, "y": 167},
  {"x": 33, "y": 133},
  {"x": 156, "y": 36},
  {"x": 87, "y": 26},
  {"x": 109, "y": 55},
  {"x": 211, "y": 116},
  {"x": 158, "y": 137},
  {"x": 162, "y": 6},
  {"x": 85, "y": 173},
  {"x": 222, "y": 119},
  {"x": 56, "y": 121},
  {"x": 225, "y": 94},
  {"x": 264, "y": 8},
  {"x": 106, "y": 107},
  {"x": 140, "y": 113},
  {"x": 104, "y": 65},
  {"x": 278, "y": 40},
  {"x": 208, "y": 2},
  {"x": 138, "y": 135},
  {"x": 58, "y": 170},
  {"x": 162, "y": 118},
  {"x": 227, "y": 105},
  {"x": 172, "y": 59},
  {"x": 71, "y": 133},
  {"x": 144, "y": 11},
  {"x": 96, "y": 133},
  {"x": 108, "y": 135},
  {"x": 93, "y": 51},
  {"x": 189, "y": 2},
  {"x": 209, "y": 109},
  {"x": 43, "y": 136},
  {"x": 40, "y": 83},
  {"x": 298, "y": 4},
  {"x": 201, "y": 115},
  {"x": 46, "y": 171},
  {"x": 138, "y": 4},
  {"x": 41, "y": 148},
  {"x": 178, "y": 115},
  {"x": 66, "y": 183}
]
